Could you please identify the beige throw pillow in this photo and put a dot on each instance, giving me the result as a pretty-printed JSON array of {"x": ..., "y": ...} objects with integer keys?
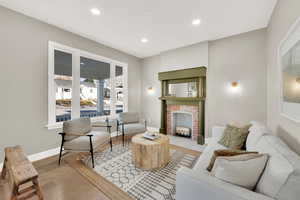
[
  {"x": 234, "y": 137},
  {"x": 226, "y": 152},
  {"x": 242, "y": 170}
]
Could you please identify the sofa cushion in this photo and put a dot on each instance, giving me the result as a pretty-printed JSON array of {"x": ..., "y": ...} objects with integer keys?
[
  {"x": 256, "y": 131},
  {"x": 242, "y": 170},
  {"x": 207, "y": 153},
  {"x": 234, "y": 137},
  {"x": 82, "y": 143},
  {"x": 281, "y": 177},
  {"x": 227, "y": 153},
  {"x": 134, "y": 128}
]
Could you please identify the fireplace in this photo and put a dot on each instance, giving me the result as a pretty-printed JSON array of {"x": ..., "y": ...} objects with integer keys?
[
  {"x": 182, "y": 120},
  {"x": 183, "y": 103},
  {"x": 181, "y": 124}
]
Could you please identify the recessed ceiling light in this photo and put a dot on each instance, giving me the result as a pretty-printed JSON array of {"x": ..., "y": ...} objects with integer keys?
[
  {"x": 95, "y": 11},
  {"x": 196, "y": 22},
  {"x": 144, "y": 40}
]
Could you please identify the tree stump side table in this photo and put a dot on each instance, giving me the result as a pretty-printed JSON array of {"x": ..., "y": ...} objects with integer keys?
[{"x": 150, "y": 154}]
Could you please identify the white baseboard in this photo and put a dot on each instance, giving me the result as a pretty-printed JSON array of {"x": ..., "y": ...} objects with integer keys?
[
  {"x": 47, "y": 154},
  {"x": 55, "y": 151},
  {"x": 40, "y": 155},
  {"x": 43, "y": 154}
]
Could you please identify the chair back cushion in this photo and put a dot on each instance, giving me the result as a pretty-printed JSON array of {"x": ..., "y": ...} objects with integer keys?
[
  {"x": 281, "y": 177},
  {"x": 77, "y": 126},
  {"x": 129, "y": 117}
]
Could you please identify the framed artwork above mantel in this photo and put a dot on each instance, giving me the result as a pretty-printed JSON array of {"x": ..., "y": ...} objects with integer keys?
[{"x": 184, "y": 87}]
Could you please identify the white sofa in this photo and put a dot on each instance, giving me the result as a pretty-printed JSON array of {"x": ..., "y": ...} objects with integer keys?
[{"x": 280, "y": 179}]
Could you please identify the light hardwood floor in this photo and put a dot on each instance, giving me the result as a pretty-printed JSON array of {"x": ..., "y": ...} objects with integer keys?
[{"x": 65, "y": 183}]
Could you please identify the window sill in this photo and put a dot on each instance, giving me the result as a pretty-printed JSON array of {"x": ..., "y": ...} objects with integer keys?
[
  {"x": 54, "y": 126},
  {"x": 59, "y": 125}
]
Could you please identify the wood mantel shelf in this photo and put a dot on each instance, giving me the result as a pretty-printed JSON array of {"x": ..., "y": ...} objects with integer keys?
[
  {"x": 197, "y": 75},
  {"x": 171, "y": 98}
]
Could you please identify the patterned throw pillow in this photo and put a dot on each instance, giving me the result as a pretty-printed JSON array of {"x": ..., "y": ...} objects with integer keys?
[
  {"x": 226, "y": 152},
  {"x": 234, "y": 137}
]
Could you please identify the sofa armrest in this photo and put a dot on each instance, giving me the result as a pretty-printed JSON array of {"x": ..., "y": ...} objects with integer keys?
[
  {"x": 195, "y": 185},
  {"x": 217, "y": 131}
]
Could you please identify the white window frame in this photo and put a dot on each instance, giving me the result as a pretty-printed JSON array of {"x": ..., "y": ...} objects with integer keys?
[{"x": 75, "y": 107}]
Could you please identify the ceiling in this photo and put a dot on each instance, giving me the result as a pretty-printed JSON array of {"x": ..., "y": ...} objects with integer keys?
[{"x": 167, "y": 24}]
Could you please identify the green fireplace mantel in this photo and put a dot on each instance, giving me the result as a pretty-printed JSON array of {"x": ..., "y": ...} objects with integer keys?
[
  {"x": 183, "y": 74},
  {"x": 197, "y": 75}
]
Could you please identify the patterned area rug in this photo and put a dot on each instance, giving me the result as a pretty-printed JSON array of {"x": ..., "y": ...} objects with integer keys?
[{"x": 117, "y": 167}]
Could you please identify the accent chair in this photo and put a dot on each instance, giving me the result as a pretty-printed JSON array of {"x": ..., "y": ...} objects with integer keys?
[
  {"x": 78, "y": 136},
  {"x": 129, "y": 123}
]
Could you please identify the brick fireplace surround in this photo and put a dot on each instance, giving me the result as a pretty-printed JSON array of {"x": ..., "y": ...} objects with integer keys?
[{"x": 186, "y": 109}]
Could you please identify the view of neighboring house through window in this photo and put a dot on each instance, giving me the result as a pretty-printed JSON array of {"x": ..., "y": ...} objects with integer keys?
[
  {"x": 82, "y": 84},
  {"x": 94, "y": 88},
  {"x": 63, "y": 85}
]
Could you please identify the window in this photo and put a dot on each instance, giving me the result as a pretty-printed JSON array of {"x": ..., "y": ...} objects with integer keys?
[
  {"x": 94, "y": 88},
  {"x": 119, "y": 89},
  {"x": 82, "y": 84},
  {"x": 63, "y": 85}
]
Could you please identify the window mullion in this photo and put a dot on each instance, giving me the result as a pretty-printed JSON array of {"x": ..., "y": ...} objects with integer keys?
[
  {"x": 113, "y": 89},
  {"x": 51, "y": 86},
  {"x": 125, "y": 87},
  {"x": 76, "y": 85}
]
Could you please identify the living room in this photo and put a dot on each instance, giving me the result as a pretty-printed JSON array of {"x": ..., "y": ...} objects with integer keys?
[{"x": 83, "y": 87}]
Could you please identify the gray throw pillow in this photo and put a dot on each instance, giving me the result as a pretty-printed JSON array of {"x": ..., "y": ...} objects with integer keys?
[{"x": 234, "y": 137}]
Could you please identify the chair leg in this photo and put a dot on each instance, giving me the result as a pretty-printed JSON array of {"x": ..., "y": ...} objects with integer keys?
[
  {"x": 14, "y": 194},
  {"x": 3, "y": 173},
  {"x": 37, "y": 188},
  {"x": 110, "y": 144},
  {"x": 92, "y": 154},
  {"x": 123, "y": 134},
  {"x": 60, "y": 152},
  {"x": 92, "y": 151}
]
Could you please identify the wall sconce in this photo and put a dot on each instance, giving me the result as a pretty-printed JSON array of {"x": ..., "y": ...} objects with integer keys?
[
  {"x": 234, "y": 84},
  {"x": 150, "y": 90},
  {"x": 234, "y": 87},
  {"x": 298, "y": 80}
]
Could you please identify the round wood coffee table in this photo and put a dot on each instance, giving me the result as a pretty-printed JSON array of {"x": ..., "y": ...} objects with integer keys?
[{"x": 150, "y": 154}]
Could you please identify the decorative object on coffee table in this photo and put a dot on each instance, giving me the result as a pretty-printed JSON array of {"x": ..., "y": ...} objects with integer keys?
[
  {"x": 21, "y": 172},
  {"x": 150, "y": 154}
]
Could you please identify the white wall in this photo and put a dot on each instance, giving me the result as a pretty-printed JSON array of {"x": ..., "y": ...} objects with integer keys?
[
  {"x": 24, "y": 79},
  {"x": 239, "y": 58},
  {"x": 186, "y": 57},
  {"x": 285, "y": 14}
]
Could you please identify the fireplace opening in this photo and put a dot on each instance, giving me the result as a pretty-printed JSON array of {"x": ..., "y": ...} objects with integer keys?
[{"x": 182, "y": 124}]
